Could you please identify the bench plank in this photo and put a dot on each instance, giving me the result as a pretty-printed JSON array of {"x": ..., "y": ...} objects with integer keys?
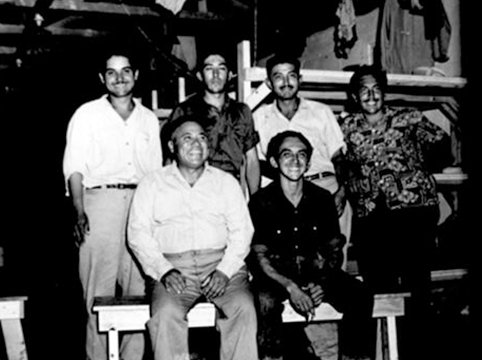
[{"x": 132, "y": 313}]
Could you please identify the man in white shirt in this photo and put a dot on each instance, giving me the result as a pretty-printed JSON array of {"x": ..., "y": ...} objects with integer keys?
[
  {"x": 317, "y": 122},
  {"x": 112, "y": 142},
  {"x": 190, "y": 228}
]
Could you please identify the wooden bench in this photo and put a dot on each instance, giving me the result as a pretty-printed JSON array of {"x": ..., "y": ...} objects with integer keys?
[
  {"x": 131, "y": 314},
  {"x": 11, "y": 315}
]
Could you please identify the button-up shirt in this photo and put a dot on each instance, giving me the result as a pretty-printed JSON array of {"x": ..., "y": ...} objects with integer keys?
[
  {"x": 107, "y": 149},
  {"x": 295, "y": 236},
  {"x": 388, "y": 162},
  {"x": 315, "y": 120},
  {"x": 170, "y": 216},
  {"x": 230, "y": 130}
]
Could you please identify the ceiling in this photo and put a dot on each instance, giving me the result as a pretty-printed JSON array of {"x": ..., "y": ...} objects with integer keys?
[{"x": 30, "y": 27}]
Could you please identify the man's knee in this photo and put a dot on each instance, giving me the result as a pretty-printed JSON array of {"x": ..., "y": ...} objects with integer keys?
[
  {"x": 167, "y": 311},
  {"x": 243, "y": 305}
]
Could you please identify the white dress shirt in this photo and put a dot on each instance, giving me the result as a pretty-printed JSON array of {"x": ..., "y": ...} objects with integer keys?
[
  {"x": 170, "y": 216},
  {"x": 107, "y": 149}
]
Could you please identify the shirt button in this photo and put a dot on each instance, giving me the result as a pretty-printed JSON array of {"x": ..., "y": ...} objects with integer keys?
[{"x": 295, "y": 229}]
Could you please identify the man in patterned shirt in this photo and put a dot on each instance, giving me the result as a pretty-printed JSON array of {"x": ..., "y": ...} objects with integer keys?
[{"x": 390, "y": 153}]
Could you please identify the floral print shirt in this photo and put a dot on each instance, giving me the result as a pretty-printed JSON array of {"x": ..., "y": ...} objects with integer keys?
[{"x": 387, "y": 164}]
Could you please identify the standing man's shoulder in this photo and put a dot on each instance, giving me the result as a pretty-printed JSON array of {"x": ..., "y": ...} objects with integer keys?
[
  {"x": 264, "y": 110},
  {"x": 316, "y": 106},
  {"x": 146, "y": 112},
  {"x": 187, "y": 107},
  {"x": 92, "y": 105}
]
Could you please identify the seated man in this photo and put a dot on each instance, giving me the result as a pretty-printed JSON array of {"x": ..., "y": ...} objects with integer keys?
[
  {"x": 297, "y": 254},
  {"x": 190, "y": 229}
]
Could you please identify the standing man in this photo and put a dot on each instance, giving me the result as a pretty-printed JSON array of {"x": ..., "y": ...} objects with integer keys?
[
  {"x": 191, "y": 230},
  {"x": 319, "y": 125},
  {"x": 112, "y": 142},
  {"x": 392, "y": 154},
  {"x": 229, "y": 123},
  {"x": 297, "y": 255}
]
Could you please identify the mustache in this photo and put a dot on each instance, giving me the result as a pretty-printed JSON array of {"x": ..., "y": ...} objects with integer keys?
[{"x": 290, "y": 87}]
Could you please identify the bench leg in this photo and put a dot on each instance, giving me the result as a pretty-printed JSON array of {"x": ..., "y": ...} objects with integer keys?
[
  {"x": 113, "y": 344},
  {"x": 387, "y": 343},
  {"x": 380, "y": 344},
  {"x": 14, "y": 340},
  {"x": 392, "y": 338}
]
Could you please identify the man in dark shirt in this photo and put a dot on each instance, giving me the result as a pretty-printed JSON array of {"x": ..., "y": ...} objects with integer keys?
[
  {"x": 297, "y": 254},
  {"x": 229, "y": 123}
]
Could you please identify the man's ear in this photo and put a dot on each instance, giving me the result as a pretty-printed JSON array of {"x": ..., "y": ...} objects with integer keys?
[
  {"x": 101, "y": 77},
  {"x": 199, "y": 76},
  {"x": 268, "y": 83},
  {"x": 230, "y": 75},
  {"x": 170, "y": 145},
  {"x": 273, "y": 162},
  {"x": 354, "y": 98},
  {"x": 136, "y": 75}
]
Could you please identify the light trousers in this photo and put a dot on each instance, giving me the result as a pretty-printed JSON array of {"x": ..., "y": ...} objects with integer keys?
[
  {"x": 105, "y": 264},
  {"x": 236, "y": 314}
]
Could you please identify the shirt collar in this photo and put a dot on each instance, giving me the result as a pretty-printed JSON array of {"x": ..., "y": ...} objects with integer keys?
[{"x": 173, "y": 171}]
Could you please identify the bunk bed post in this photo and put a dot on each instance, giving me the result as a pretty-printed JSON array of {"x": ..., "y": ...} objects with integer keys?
[{"x": 244, "y": 62}]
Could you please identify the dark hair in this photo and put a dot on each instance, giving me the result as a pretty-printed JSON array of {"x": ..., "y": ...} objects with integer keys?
[
  {"x": 276, "y": 141},
  {"x": 282, "y": 58},
  {"x": 363, "y": 70},
  {"x": 116, "y": 50},
  {"x": 203, "y": 56},
  {"x": 169, "y": 128}
]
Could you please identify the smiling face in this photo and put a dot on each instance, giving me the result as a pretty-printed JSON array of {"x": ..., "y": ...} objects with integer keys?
[
  {"x": 284, "y": 81},
  {"x": 370, "y": 95},
  {"x": 189, "y": 143},
  {"x": 119, "y": 77},
  {"x": 215, "y": 74},
  {"x": 293, "y": 159}
]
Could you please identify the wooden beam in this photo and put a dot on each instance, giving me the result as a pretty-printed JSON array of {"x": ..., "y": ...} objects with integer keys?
[
  {"x": 79, "y": 6},
  {"x": 325, "y": 77}
]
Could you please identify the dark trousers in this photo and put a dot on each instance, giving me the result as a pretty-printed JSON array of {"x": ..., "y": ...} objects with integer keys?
[
  {"x": 344, "y": 292},
  {"x": 394, "y": 252}
]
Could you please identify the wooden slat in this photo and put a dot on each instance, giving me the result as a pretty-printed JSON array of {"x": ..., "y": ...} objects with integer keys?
[
  {"x": 258, "y": 74},
  {"x": 12, "y": 307}
]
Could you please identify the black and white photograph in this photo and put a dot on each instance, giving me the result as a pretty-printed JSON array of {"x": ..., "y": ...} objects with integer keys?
[{"x": 239, "y": 179}]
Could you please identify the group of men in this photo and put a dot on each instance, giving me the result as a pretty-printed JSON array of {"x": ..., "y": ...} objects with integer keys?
[{"x": 189, "y": 221}]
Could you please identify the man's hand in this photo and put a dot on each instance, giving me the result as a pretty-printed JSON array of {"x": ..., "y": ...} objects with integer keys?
[
  {"x": 81, "y": 227},
  {"x": 316, "y": 293},
  {"x": 214, "y": 285},
  {"x": 300, "y": 300},
  {"x": 174, "y": 281}
]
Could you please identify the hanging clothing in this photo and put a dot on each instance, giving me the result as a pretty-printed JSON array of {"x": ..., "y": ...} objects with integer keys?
[
  {"x": 173, "y": 5},
  {"x": 345, "y": 32},
  {"x": 413, "y": 34}
]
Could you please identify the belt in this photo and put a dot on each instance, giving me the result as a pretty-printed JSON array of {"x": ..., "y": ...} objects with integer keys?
[
  {"x": 320, "y": 175},
  {"x": 114, "y": 186}
]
